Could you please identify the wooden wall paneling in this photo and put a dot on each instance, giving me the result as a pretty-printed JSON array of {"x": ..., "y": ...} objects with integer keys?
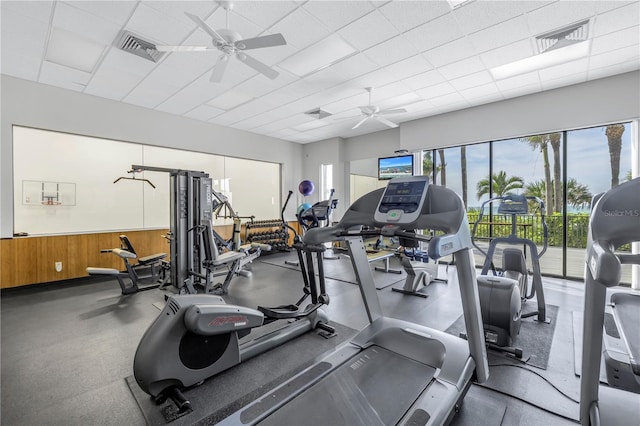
[
  {"x": 25, "y": 261},
  {"x": 78, "y": 255},
  {"x": 7, "y": 269}
]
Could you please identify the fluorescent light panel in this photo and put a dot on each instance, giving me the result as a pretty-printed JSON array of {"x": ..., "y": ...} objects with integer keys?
[
  {"x": 317, "y": 56},
  {"x": 73, "y": 51},
  {"x": 543, "y": 60}
]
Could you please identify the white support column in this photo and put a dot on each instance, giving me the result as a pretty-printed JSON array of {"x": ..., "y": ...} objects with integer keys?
[{"x": 635, "y": 172}]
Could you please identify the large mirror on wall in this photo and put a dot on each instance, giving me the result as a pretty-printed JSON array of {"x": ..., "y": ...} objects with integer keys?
[{"x": 67, "y": 183}]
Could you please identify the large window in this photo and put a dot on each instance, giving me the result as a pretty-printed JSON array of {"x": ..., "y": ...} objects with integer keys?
[{"x": 563, "y": 169}]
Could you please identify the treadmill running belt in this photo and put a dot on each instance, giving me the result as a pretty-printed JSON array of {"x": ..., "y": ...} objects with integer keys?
[
  {"x": 375, "y": 387},
  {"x": 627, "y": 308}
]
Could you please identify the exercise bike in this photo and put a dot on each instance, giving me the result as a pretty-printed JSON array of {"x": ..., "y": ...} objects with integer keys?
[
  {"x": 198, "y": 336},
  {"x": 503, "y": 294}
]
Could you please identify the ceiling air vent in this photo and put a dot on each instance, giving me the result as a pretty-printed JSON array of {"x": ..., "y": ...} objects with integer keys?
[
  {"x": 566, "y": 36},
  {"x": 134, "y": 44},
  {"x": 318, "y": 113}
]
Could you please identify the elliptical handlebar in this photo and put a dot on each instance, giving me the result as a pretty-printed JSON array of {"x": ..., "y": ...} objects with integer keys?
[{"x": 545, "y": 228}]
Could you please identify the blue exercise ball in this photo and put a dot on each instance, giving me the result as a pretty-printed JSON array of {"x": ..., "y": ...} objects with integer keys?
[
  {"x": 302, "y": 208},
  {"x": 306, "y": 187}
]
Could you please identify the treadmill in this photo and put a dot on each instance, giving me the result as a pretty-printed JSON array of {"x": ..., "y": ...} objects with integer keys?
[
  {"x": 615, "y": 221},
  {"x": 392, "y": 371}
]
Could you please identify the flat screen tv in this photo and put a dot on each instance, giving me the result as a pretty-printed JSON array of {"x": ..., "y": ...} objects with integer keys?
[{"x": 391, "y": 167}]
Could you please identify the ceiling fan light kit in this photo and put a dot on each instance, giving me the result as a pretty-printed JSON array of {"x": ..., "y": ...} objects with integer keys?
[{"x": 231, "y": 44}]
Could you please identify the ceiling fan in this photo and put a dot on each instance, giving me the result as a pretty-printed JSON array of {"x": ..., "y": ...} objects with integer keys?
[
  {"x": 230, "y": 43},
  {"x": 374, "y": 111}
]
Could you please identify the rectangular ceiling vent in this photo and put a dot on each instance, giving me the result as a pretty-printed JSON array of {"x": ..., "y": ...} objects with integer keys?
[
  {"x": 565, "y": 36},
  {"x": 134, "y": 44},
  {"x": 319, "y": 113}
]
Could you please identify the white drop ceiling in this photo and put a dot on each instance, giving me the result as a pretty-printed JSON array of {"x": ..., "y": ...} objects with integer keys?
[{"x": 424, "y": 56}]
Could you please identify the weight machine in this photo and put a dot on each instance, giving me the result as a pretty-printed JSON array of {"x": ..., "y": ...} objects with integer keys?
[{"x": 195, "y": 258}]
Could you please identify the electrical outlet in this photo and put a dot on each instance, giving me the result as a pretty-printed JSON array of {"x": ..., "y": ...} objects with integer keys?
[{"x": 58, "y": 266}]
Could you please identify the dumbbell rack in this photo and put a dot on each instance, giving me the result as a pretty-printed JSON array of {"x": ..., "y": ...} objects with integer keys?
[{"x": 270, "y": 231}]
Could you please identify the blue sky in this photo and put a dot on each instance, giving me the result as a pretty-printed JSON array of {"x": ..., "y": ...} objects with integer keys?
[
  {"x": 587, "y": 152},
  {"x": 397, "y": 161}
]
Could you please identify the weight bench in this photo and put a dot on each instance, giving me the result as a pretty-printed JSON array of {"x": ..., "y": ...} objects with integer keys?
[
  {"x": 382, "y": 255},
  {"x": 128, "y": 280}
]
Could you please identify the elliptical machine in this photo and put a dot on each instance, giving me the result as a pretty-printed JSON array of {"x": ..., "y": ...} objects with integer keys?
[
  {"x": 198, "y": 336},
  {"x": 502, "y": 295}
]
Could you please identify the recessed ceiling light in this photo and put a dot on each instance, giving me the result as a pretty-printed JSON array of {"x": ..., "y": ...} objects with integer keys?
[
  {"x": 71, "y": 50},
  {"x": 543, "y": 60},
  {"x": 317, "y": 56}
]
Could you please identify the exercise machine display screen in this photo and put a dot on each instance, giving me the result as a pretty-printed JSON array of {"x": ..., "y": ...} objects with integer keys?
[{"x": 402, "y": 200}]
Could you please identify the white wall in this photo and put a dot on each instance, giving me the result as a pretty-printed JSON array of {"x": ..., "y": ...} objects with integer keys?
[
  {"x": 36, "y": 105},
  {"x": 597, "y": 102}
]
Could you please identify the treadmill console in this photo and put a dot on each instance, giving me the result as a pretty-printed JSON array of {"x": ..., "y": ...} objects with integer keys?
[{"x": 402, "y": 200}]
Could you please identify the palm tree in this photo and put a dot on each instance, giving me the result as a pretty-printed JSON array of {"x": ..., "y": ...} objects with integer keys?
[
  {"x": 443, "y": 168},
  {"x": 554, "y": 141},
  {"x": 463, "y": 169},
  {"x": 578, "y": 195},
  {"x": 614, "y": 138},
  {"x": 628, "y": 177},
  {"x": 427, "y": 165},
  {"x": 537, "y": 188},
  {"x": 540, "y": 142},
  {"x": 501, "y": 184}
]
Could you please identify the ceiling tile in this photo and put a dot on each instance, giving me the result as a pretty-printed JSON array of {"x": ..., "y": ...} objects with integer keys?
[
  {"x": 425, "y": 79},
  {"x": 65, "y": 77},
  {"x": 182, "y": 68},
  {"x": 628, "y": 16},
  {"x": 368, "y": 31},
  {"x": 87, "y": 25},
  {"x": 478, "y": 15},
  {"x": 354, "y": 66},
  {"x": 558, "y": 14},
  {"x": 499, "y": 35},
  {"x": 522, "y": 80},
  {"x": 617, "y": 56},
  {"x": 614, "y": 69},
  {"x": 450, "y": 52},
  {"x": 406, "y": 15},
  {"x": 230, "y": 99},
  {"x": 336, "y": 14},
  {"x": 204, "y": 113},
  {"x": 159, "y": 28},
  {"x": 261, "y": 120},
  {"x": 36, "y": 10},
  {"x": 435, "y": 33},
  {"x": 300, "y": 29},
  {"x": 521, "y": 90},
  {"x": 151, "y": 93},
  {"x": 24, "y": 67},
  {"x": 310, "y": 125},
  {"x": 558, "y": 71},
  {"x": 472, "y": 80},
  {"x": 450, "y": 100},
  {"x": 22, "y": 35},
  {"x": 484, "y": 92},
  {"x": 616, "y": 40},
  {"x": 195, "y": 94},
  {"x": 264, "y": 13},
  {"x": 436, "y": 91},
  {"x": 401, "y": 101},
  {"x": 117, "y": 12},
  {"x": 378, "y": 78},
  {"x": 567, "y": 80},
  {"x": 461, "y": 68},
  {"x": 409, "y": 67},
  {"x": 390, "y": 51},
  {"x": 177, "y": 9},
  {"x": 237, "y": 23},
  {"x": 506, "y": 54}
]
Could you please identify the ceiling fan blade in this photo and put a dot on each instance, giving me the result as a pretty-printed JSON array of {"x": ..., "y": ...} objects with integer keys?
[
  {"x": 369, "y": 109},
  {"x": 385, "y": 121},
  {"x": 206, "y": 28},
  {"x": 257, "y": 65},
  {"x": 219, "y": 68},
  {"x": 392, "y": 111},
  {"x": 183, "y": 48},
  {"x": 360, "y": 122},
  {"x": 259, "y": 42}
]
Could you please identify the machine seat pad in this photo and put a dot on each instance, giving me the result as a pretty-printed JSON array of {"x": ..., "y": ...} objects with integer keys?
[
  {"x": 227, "y": 257},
  {"x": 152, "y": 258},
  {"x": 496, "y": 281},
  {"x": 102, "y": 271}
]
